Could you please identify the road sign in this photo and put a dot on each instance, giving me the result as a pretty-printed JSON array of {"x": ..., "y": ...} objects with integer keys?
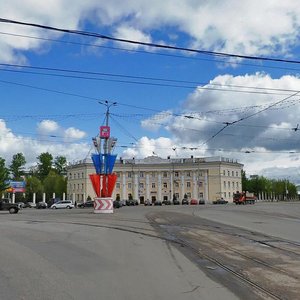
[{"x": 103, "y": 205}]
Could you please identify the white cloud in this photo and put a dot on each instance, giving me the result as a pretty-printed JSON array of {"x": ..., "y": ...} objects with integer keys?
[
  {"x": 245, "y": 27},
  {"x": 130, "y": 33},
  {"x": 155, "y": 122},
  {"x": 47, "y": 126},
  {"x": 31, "y": 147},
  {"x": 74, "y": 133}
]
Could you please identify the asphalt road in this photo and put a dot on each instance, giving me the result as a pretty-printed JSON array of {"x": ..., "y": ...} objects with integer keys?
[{"x": 75, "y": 254}]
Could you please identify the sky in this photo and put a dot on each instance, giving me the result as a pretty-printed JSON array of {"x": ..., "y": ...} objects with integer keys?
[{"x": 168, "y": 102}]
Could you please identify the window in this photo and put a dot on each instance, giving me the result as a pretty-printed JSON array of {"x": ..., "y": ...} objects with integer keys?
[
  {"x": 129, "y": 185},
  {"x": 224, "y": 194},
  {"x": 200, "y": 183},
  {"x": 176, "y": 174},
  {"x": 118, "y": 174},
  {"x": 74, "y": 186},
  {"x": 78, "y": 186},
  {"x": 141, "y": 185},
  {"x": 232, "y": 173},
  {"x": 229, "y": 184},
  {"x": 118, "y": 185},
  {"x": 201, "y": 195},
  {"x": 176, "y": 184},
  {"x": 78, "y": 175},
  {"x": 188, "y": 174},
  {"x": 74, "y": 175},
  {"x": 188, "y": 184},
  {"x": 153, "y": 185},
  {"x": 165, "y": 174},
  {"x": 189, "y": 195},
  {"x": 224, "y": 172},
  {"x": 153, "y": 174},
  {"x": 141, "y": 174},
  {"x": 225, "y": 184},
  {"x": 233, "y": 185},
  {"x": 129, "y": 174},
  {"x": 165, "y": 185},
  {"x": 228, "y": 173},
  {"x": 228, "y": 194},
  {"x": 70, "y": 175},
  {"x": 82, "y": 186},
  {"x": 82, "y": 175},
  {"x": 237, "y": 185},
  {"x": 200, "y": 174},
  {"x": 237, "y": 173}
]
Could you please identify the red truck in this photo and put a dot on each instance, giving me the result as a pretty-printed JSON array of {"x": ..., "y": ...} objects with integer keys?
[{"x": 244, "y": 198}]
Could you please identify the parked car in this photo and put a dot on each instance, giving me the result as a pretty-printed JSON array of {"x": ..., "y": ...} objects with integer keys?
[
  {"x": 88, "y": 203},
  {"x": 185, "y": 201},
  {"x": 158, "y": 203},
  {"x": 21, "y": 205},
  {"x": 30, "y": 204},
  {"x": 5, "y": 204},
  {"x": 176, "y": 202},
  {"x": 201, "y": 201},
  {"x": 41, "y": 205},
  {"x": 148, "y": 203},
  {"x": 220, "y": 201},
  {"x": 123, "y": 202},
  {"x": 63, "y": 204},
  {"x": 117, "y": 204},
  {"x": 194, "y": 202},
  {"x": 166, "y": 202}
]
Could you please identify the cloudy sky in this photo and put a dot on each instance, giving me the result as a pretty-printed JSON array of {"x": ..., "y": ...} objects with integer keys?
[{"x": 169, "y": 102}]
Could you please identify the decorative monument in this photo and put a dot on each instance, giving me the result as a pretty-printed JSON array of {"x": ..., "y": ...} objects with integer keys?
[{"x": 104, "y": 180}]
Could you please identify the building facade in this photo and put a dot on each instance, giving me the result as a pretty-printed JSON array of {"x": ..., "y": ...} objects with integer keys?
[{"x": 155, "y": 178}]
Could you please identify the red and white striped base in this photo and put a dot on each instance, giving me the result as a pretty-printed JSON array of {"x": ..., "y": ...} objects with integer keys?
[{"x": 103, "y": 206}]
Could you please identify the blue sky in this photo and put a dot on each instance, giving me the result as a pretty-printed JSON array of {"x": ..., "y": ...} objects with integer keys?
[{"x": 150, "y": 117}]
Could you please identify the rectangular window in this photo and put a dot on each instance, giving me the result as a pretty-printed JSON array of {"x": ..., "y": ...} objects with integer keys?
[
  {"x": 224, "y": 184},
  {"x": 232, "y": 173},
  {"x": 229, "y": 184},
  {"x": 129, "y": 174},
  {"x": 188, "y": 174},
  {"x": 189, "y": 195},
  {"x": 176, "y": 184},
  {"x": 237, "y": 173},
  {"x": 228, "y": 194},
  {"x": 176, "y": 174},
  {"x": 82, "y": 186},
  {"x": 153, "y": 174},
  {"x": 82, "y": 175},
  {"x": 228, "y": 173},
  {"x": 224, "y": 172},
  {"x": 188, "y": 184},
  {"x": 70, "y": 175},
  {"x": 153, "y": 185},
  {"x": 200, "y": 183},
  {"x": 237, "y": 185},
  {"x": 118, "y": 185},
  {"x": 165, "y": 174},
  {"x": 141, "y": 174},
  {"x": 233, "y": 185},
  {"x": 165, "y": 185},
  {"x": 201, "y": 195},
  {"x": 129, "y": 185},
  {"x": 141, "y": 185},
  {"x": 224, "y": 194}
]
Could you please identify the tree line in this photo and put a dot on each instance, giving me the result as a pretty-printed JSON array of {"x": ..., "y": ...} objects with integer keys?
[
  {"x": 47, "y": 176},
  {"x": 272, "y": 189}
]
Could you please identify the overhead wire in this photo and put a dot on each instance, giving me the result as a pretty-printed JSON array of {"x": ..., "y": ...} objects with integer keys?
[{"x": 152, "y": 45}]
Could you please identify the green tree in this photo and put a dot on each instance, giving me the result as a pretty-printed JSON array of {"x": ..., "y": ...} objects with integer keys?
[
  {"x": 60, "y": 164},
  {"x": 55, "y": 183},
  {"x": 4, "y": 176},
  {"x": 45, "y": 162},
  {"x": 33, "y": 185},
  {"x": 17, "y": 166}
]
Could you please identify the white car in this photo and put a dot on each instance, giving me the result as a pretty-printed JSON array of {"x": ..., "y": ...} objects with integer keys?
[{"x": 63, "y": 204}]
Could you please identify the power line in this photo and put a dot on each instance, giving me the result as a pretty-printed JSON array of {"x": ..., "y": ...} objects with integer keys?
[
  {"x": 153, "y": 45},
  {"x": 151, "y": 79},
  {"x": 152, "y": 53}
]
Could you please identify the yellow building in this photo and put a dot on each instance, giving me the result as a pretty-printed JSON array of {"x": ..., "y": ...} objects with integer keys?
[{"x": 155, "y": 178}]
